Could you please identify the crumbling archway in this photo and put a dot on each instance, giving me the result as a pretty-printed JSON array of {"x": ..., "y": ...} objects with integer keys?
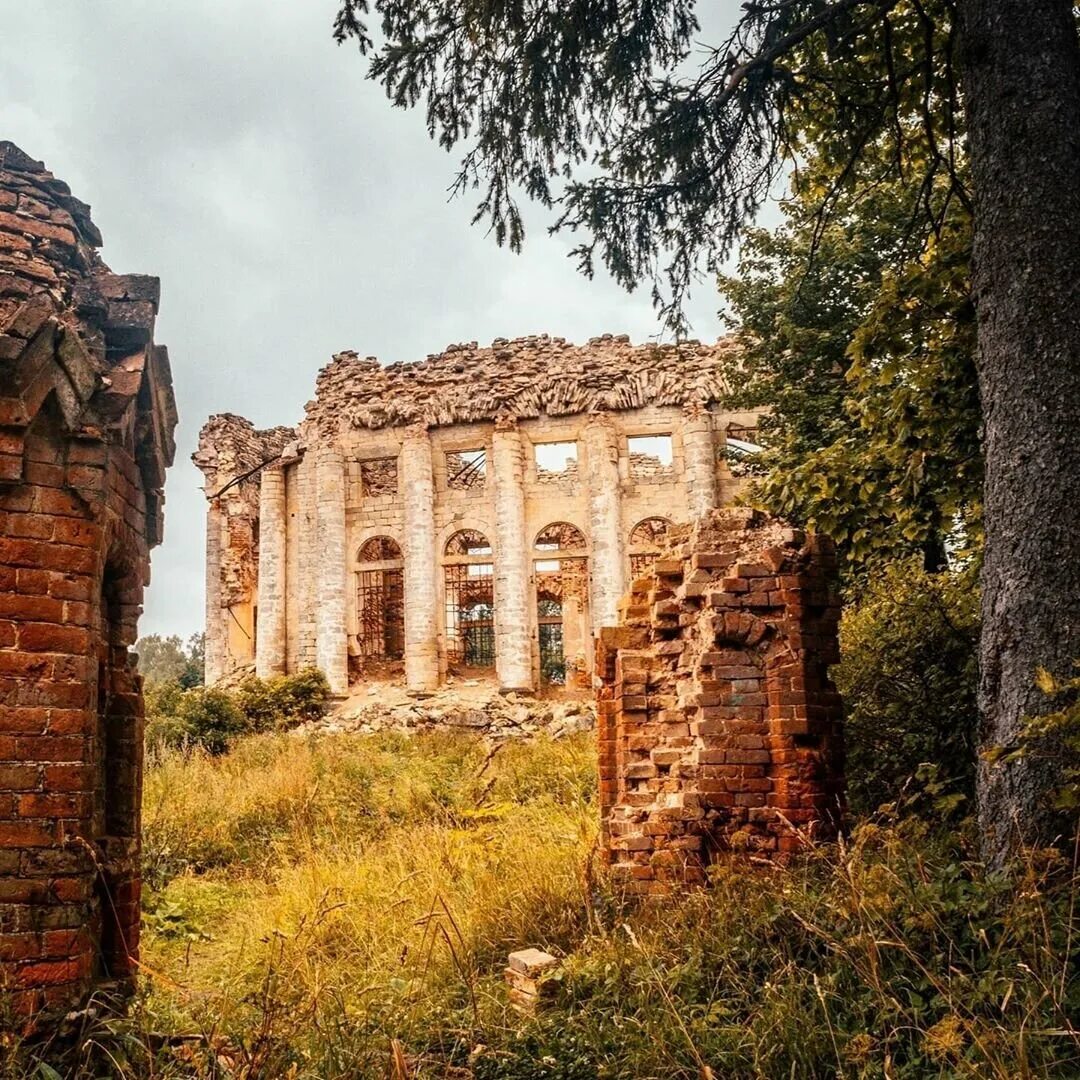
[{"x": 647, "y": 540}]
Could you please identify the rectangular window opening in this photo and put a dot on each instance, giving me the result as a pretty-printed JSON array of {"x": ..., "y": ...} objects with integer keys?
[
  {"x": 465, "y": 469},
  {"x": 378, "y": 477},
  {"x": 651, "y": 457},
  {"x": 556, "y": 461}
]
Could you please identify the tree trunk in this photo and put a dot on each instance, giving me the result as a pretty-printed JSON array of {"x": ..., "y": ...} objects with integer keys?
[{"x": 1021, "y": 78}]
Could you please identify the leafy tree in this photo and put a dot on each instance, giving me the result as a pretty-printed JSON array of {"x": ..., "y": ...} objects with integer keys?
[
  {"x": 659, "y": 157},
  {"x": 908, "y": 676},
  {"x": 864, "y": 357},
  {"x": 167, "y": 659}
]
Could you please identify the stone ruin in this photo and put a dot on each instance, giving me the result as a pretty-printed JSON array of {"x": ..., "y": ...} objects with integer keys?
[
  {"x": 86, "y": 434},
  {"x": 473, "y": 516},
  {"x": 719, "y": 729}
]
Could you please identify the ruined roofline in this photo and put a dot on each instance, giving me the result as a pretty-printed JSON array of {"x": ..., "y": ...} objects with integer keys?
[
  {"x": 15, "y": 160},
  {"x": 522, "y": 377},
  {"x": 230, "y": 446}
]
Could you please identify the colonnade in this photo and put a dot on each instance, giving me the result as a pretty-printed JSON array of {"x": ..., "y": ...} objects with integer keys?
[{"x": 512, "y": 550}]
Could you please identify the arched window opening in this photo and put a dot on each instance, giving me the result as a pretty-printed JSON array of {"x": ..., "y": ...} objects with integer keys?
[
  {"x": 647, "y": 539},
  {"x": 379, "y": 549},
  {"x": 562, "y": 585},
  {"x": 380, "y": 600},
  {"x": 468, "y": 577},
  {"x": 559, "y": 538},
  {"x": 468, "y": 542}
]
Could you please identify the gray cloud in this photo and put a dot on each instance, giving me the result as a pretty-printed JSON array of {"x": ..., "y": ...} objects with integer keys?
[{"x": 229, "y": 147}]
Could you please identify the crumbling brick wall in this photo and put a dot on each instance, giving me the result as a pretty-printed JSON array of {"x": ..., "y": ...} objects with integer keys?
[
  {"x": 718, "y": 726},
  {"x": 86, "y": 433}
]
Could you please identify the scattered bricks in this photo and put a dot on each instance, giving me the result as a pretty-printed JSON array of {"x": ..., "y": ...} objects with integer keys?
[
  {"x": 725, "y": 722},
  {"x": 528, "y": 978}
]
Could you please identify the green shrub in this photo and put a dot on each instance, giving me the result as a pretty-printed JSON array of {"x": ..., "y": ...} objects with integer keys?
[
  {"x": 199, "y": 717},
  {"x": 908, "y": 677},
  {"x": 284, "y": 701},
  {"x": 211, "y": 719}
]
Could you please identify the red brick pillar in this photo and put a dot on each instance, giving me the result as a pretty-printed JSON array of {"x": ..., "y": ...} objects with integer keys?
[
  {"x": 86, "y": 422},
  {"x": 719, "y": 727}
]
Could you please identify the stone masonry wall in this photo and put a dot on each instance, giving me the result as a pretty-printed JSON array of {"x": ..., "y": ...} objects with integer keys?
[
  {"x": 520, "y": 377},
  {"x": 231, "y": 453},
  {"x": 719, "y": 728},
  {"x": 460, "y": 441},
  {"x": 86, "y": 433}
]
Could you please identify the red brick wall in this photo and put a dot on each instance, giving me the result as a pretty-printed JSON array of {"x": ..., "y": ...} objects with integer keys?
[
  {"x": 86, "y": 421},
  {"x": 718, "y": 726}
]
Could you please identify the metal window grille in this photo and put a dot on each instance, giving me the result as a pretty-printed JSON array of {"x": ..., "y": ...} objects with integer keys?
[
  {"x": 552, "y": 651},
  {"x": 640, "y": 564},
  {"x": 380, "y": 608},
  {"x": 470, "y": 614}
]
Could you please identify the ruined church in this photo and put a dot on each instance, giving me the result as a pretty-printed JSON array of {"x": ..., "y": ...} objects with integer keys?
[
  {"x": 534, "y": 515},
  {"x": 478, "y": 514}
]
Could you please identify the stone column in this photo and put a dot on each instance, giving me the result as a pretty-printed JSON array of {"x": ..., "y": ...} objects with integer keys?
[
  {"x": 513, "y": 641},
  {"x": 216, "y": 633},
  {"x": 273, "y": 522},
  {"x": 605, "y": 520},
  {"x": 331, "y": 641},
  {"x": 699, "y": 454},
  {"x": 421, "y": 562}
]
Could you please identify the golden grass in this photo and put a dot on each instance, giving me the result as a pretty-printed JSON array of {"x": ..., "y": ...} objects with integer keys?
[
  {"x": 341, "y": 907},
  {"x": 363, "y": 879}
]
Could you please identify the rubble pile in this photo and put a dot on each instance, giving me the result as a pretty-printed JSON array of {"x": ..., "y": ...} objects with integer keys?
[{"x": 479, "y": 709}]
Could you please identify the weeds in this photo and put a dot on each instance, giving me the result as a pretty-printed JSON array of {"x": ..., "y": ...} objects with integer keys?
[{"x": 342, "y": 906}]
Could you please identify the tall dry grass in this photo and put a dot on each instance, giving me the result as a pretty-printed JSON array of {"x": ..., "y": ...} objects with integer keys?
[
  {"x": 362, "y": 884},
  {"x": 341, "y": 907}
]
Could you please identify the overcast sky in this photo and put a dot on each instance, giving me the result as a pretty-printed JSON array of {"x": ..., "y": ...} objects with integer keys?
[{"x": 231, "y": 149}]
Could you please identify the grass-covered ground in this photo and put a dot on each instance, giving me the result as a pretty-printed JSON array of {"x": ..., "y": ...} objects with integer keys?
[{"x": 342, "y": 906}]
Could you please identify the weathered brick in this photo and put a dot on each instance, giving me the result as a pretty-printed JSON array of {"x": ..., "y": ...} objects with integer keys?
[
  {"x": 66, "y": 487},
  {"x": 720, "y": 709}
]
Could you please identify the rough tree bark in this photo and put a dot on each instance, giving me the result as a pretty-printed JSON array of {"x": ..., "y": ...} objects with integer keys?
[{"x": 1021, "y": 78}]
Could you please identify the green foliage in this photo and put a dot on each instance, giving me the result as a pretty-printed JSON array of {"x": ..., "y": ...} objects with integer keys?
[
  {"x": 862, "y": 353},
  {"x": 202, "y": 716},
  {"x": 168, "y": 659},
  {"x": 284, "y": 701},
  {"x": 212, "y": 718},
  {"x": 656, "y": 145},
  {"x": 1053, "y": 737},
  {"x": 908, "y": 676}
]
